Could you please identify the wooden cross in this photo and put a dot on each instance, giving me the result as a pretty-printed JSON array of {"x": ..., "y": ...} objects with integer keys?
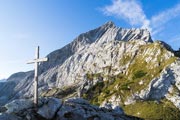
[{"x": 36, "y": 62}]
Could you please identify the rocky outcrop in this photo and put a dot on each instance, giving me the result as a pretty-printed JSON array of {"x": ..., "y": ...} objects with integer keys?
[
  {"x": 158, "y": 87},
  {"x": 55, "y": 109},
  {"x": 167, "y": 85},
  {"x": 69, "y": 65}
]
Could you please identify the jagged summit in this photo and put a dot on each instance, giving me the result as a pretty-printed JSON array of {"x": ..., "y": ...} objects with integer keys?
[
  {"x": 103, "y": 34},
  {"x": 125, "y": 34},
  {"x": 109, "y": 31},
  {"x": 109, "y": 24}
]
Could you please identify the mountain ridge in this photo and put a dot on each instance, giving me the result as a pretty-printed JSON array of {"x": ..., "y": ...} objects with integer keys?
[
  {"x": 107, "y": 65},
  {"x": 92, "y": 36}
]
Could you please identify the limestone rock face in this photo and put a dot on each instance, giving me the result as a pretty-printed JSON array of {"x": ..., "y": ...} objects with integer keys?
[
  {"x": 102, "y": 34},
  {"x": 158, "y": 87},
  {"x": 173, "y": 93},
  {"x": 166, "y": 85},
  {"x": 69, "y": 65}
]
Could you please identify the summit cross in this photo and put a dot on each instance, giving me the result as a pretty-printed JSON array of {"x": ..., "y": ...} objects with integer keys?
[{"x": 36, "y": 62}]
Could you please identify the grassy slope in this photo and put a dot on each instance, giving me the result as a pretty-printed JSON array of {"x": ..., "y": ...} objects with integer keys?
[
  {"x": 124, "y": 85},
  {"x": 151, "y": 110}
]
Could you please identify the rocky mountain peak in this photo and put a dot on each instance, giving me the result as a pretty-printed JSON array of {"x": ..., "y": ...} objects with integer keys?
[
  {"x": 103, "y": 34},
  {"x": 109, "y": 24},
  {"x": 108, "y": 66}
]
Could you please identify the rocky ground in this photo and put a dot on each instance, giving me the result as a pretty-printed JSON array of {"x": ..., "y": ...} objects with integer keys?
[{"x": 56, "y": 109}]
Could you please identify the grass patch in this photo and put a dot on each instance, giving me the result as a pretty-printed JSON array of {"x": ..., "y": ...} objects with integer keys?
[
  {"x": 125, "y": 59},
  {"x": 151, "y": 110},
  {"x": 60, "y": 92},
  {"x": 126, "y": 86},
  {"x": 139, "y": 74},
  {"x": 93, "y": 76}
]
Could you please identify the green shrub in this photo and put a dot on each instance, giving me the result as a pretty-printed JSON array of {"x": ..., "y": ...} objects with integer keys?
[
  {"x": 107, "y": 91},
  {"x": 126, "y": 86},
  {"x": 139, "y": 74}
]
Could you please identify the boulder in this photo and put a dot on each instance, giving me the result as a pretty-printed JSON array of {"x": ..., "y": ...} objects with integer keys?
[
  {"x": 49, "y": 108},
  {"x": 17, "y": 105},
  {"x": 6, "y": 116}
]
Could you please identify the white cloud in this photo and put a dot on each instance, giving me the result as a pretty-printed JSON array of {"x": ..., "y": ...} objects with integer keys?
[
  {"x": 128, "y": 10},
  {"x": 165, "y": 16},
  {"x": 132, "y": 12},
  {"x": 157, "y": 30}
]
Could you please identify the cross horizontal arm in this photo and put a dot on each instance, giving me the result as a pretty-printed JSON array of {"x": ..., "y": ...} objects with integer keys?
[{"x": 37, "y": 60}]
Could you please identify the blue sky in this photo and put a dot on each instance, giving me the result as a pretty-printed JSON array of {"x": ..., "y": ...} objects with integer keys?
[{"x": 24, "y": 24}]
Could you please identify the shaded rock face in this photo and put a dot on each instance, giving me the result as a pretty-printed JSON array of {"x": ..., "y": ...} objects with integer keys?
[
  {"x": 16, "y": 86},
  {"x": 9, "y": 117},
  {"x": 69, "y": 65},
  {"x": 55, "y": 109},
  {"x": 177, "y": 53}
]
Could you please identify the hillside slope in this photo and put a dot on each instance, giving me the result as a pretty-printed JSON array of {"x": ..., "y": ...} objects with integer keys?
[{"x": 108, "y": 65}]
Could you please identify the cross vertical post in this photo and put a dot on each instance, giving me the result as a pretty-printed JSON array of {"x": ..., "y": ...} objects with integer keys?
[
  {"x": 36, "y": 77},
  {"x": 36, "y": 62}
]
